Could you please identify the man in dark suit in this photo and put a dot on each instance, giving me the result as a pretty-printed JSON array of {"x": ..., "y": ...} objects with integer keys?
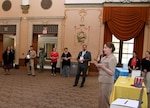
[{"x": 83, "y": 58}]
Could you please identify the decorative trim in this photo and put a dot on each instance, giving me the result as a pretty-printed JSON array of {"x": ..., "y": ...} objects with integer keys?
[
  {"x": 121, "y": 3},
  {"x": 131, "y": 4},
  {"x": 10, "y": 18},
  {"x": 46, "y": 18}
]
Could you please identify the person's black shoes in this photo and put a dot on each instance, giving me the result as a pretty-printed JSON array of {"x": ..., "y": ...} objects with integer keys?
[
  {"x": 74, "y": 85},
  {"x": 29, "y": 74},
  {"x": 81, "y": 86}
]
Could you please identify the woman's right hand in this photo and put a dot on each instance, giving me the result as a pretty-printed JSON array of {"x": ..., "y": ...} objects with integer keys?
[{"x": 100, "y": 65}]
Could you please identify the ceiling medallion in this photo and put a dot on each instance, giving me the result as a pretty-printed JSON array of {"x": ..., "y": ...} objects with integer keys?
[
  {"x": 46, "y": 4},
  {"x": 6, "y": 5}
]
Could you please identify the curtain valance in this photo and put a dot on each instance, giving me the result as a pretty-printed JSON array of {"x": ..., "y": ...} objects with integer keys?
[{"x": 125, "y": 22}]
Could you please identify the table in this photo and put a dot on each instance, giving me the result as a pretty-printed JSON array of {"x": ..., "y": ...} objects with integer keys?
[
  {"x": 120, "y": 72},
  {"x": 123, "y": 89}
]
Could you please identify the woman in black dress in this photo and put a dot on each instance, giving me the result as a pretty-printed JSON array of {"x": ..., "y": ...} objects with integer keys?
[{"x": 7, "y": 60}]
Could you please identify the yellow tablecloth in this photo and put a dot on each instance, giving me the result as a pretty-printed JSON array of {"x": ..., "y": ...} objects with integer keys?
[{"x": 123, "y": 89}]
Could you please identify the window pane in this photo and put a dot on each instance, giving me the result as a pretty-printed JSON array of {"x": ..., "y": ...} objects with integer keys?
[
  {"x": 127, "y": 50},
  {"x": 114, "y": 39},
  {"x": 116, "y": 43},
  {"x": 125, "y": 58}
]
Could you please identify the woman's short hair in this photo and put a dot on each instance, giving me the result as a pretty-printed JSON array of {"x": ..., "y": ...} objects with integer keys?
[
  {"x": 110, "y": 45},
  {"x": 65, "y": 48}
]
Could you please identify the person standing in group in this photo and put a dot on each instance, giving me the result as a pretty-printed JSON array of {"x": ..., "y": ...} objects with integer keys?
[
  {"x": 106, "y": 69},
  {"x": 54, "y": 56},
  {"x": 146, "y": 70},
  {"x": 66, "y": 56},
  {"x": 7, "y": 60},
  {"x": 134, "y": 63},
  {"x": 83, "y": 58},
  {"x": 31, "y": 55},
  {"x": 42, "y": 56}
]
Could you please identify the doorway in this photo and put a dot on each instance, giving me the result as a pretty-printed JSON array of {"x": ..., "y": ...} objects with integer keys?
[
  {"x": 48, "y": 49},
  {"x": 47, "y": 42}
]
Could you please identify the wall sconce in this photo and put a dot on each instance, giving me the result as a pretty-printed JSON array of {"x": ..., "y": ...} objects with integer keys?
[{"x": 25, "y": 6}]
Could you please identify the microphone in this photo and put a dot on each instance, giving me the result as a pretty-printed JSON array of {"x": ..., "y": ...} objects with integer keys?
[{"x": 100, "y": 57}]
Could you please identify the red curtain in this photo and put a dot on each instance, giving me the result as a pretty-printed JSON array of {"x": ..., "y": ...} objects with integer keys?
[{"x": 126, "y": 23}]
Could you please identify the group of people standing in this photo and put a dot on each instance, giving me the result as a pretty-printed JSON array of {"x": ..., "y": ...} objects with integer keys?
[
  {"x": 135, "y": 64},
  {"x": 31, "y": 55},
  {"x": 106, "y": 65},
  {"x": 83, "y": 58}
]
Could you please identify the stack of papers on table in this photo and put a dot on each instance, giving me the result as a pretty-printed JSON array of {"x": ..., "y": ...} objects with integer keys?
[{"x": 124, "y": 103}]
